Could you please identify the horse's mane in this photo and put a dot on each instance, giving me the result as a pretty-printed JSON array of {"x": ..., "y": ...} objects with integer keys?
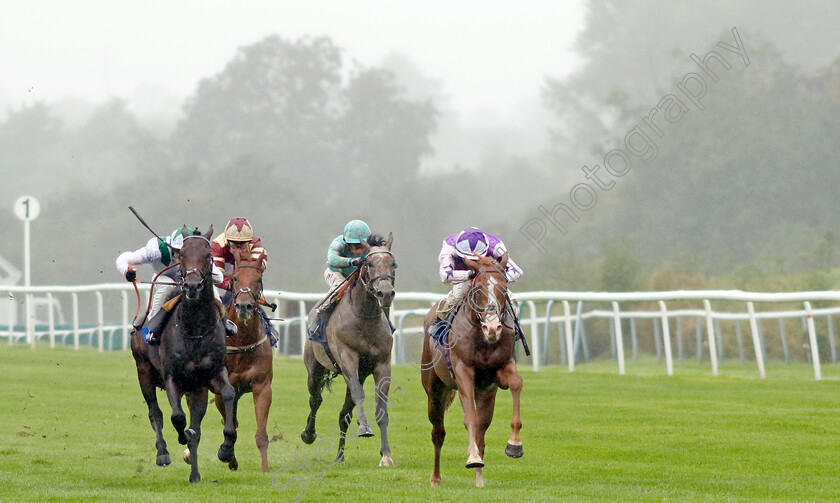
[{"x": 376, "y": 240}]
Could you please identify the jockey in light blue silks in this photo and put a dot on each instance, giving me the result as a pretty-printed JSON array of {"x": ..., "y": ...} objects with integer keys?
[
  {"x": 345, "y": 255},
  {"x": 458, "y": 248}
]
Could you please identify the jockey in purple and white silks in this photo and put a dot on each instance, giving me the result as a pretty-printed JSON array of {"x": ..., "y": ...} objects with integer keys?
[{"x": 453, "y": 268}]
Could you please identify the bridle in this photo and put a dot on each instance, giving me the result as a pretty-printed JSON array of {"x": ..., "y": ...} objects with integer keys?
[
  {"x": 482, "y": 313},
  {"x": 193, "y": 270},
  {"x": 368, "y": 282},
  {"x": 247, "y": 290}
]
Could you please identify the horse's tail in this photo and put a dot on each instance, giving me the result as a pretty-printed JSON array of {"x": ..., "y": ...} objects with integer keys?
[
  {"x": 327, "y": 381},
  {"x": 449, "y": 399}
]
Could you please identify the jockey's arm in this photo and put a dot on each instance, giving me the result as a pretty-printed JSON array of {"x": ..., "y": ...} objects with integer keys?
[
  {"x": 334, "y": 257},
  {"x": 148, "y": 253},
  {"x": 448, "y": 273}
]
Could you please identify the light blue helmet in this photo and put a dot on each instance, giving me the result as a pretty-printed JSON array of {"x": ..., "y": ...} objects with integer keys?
[{"x": 356, "y": 231}]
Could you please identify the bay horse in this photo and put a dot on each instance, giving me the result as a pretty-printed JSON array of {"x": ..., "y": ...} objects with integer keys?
[
  {"x": 476, "y": 360},
  {"x": 190, "y": 359},
  {"x": 359, "y": 335},
  {"x": 249, "y": 356}
]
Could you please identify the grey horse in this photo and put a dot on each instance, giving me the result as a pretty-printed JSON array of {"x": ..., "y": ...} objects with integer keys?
[{"x": 359, "y": 337}]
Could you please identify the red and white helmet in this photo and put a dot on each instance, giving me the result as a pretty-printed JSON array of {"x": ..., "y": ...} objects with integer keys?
[{"x": 239, "y": 230}]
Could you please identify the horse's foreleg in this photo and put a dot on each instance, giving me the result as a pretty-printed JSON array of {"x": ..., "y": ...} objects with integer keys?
[
  {"x": 465, "y": 377},
  {"x": 262, "y": 403},
  {"x": 437, "y": 394},
  {"x": 149, "y": 391},
  {"x": 315, "y": 384},
  {"x": 179, "y": 419},
  {"x": 344, "y": 418},
  {"x": 221, "y": 386},
  {"x": 485, "y": 405},
  {"x": 349, "y": 362},
  {"x": 508, "y": 377},
  {"x": 382, "y": 380},
  {"x": 197, "y": 403}
]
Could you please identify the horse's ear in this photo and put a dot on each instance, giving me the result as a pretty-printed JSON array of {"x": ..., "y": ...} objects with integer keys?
[
  {"x": 390, "y": 240},
  {"x": 184, "y": 231},
  {"x": 236, "y": 257},
  {"x": 209, "y": 234},
  {"x": 365, "y": 245}
]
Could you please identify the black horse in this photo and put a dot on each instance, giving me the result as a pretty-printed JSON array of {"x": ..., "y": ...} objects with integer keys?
[{"x": 190, "y": 359}]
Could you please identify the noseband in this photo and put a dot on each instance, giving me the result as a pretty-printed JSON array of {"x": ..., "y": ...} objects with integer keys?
[
  {"x": 192, "y": 270},
  {"x": 482, "y": 313},
  {"x": 255, "y": 295},
  {"x": 370, "y": 281}
]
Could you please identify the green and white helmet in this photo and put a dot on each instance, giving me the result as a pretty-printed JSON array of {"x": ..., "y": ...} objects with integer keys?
[{"x": 356, "y": 231}]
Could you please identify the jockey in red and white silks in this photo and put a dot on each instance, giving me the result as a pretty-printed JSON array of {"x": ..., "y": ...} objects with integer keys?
[{"x": 453, "y": 268}]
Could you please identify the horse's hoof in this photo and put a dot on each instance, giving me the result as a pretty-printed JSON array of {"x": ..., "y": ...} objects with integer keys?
[
  {"x": 184, "y": 439},
  {"x": 386, "y": 461},
  {"x": 365, "y": 431},
  {"x": 308, "y": 439},
  {"x": 186, "y": 455},
  {"x": 195, "y": 479},
  {"x": 225, "y": 454},
  {"x": 339, "y": 458},
  {"x": 163, "y": 460},
  {"x": 234, "y": 464},
  {"x": 475, "y": 462},
  {"x": 514, "y": 451},
  {"x": 434, "y": 481}
]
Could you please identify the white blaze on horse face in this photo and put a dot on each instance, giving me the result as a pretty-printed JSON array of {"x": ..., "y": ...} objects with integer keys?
[{"x": 491, "y": 326}]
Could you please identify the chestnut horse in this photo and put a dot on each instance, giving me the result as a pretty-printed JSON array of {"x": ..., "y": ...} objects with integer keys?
[
  {"x": 190, "y": 359},
  {"x": 249, "y": 357},
  {"x": 476, "y": 360},
  {"x": 359, "y": 335}
]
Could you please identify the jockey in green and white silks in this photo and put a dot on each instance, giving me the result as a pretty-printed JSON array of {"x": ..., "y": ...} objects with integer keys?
[{"x": 159, "y": 253}]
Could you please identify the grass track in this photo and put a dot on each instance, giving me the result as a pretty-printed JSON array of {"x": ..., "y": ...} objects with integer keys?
[{"x": 74, "y": 427}]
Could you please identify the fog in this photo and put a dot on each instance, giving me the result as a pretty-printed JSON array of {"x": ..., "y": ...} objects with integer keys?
[{"x": 652, "y": 140}]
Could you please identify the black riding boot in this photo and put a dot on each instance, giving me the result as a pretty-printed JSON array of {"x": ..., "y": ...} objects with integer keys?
[
  {"x": 269, "y": 328},
  {"x": 156, "y": 326}
]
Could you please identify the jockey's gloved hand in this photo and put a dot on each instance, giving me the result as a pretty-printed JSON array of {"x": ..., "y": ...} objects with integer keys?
[
  {"x": 131, "y": 274},
  {"x": 357, "y": 262},
  {"x": 471, "y": 274}
]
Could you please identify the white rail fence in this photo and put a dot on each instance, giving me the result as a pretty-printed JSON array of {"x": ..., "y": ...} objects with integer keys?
[{"x": 101, "y": 316}]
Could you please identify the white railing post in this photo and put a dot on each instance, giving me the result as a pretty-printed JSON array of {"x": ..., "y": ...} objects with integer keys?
[
  {"x": 124, "y": 296},
  {"x": 303, "y": 329},
  {"x": 100, "y": 321},
  {"x": 619, "y": 339},
  {"x": 75, "y": 321},
  {"x": 812, "y": 337},
  {"x": 710, "y": 333},
  {"x": 535, "y": 338},
  {"x": 567, "y": 323},
  {"x": 12, "y": 313},
  {"x": 51, "y": 320},
  {"x": 30, "y": 321},
  {"x": 759, "y": 357},
  {"x": 666, "y": 338}
]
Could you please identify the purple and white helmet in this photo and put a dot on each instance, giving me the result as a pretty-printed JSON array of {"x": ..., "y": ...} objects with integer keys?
[{"x": 471, "y": 242}]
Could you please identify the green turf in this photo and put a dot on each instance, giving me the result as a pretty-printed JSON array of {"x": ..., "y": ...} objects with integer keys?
[{"x": 75, "y": 428}]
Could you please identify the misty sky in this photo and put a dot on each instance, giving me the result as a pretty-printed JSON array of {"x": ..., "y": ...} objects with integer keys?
[{"x": 489, "y": 55}]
